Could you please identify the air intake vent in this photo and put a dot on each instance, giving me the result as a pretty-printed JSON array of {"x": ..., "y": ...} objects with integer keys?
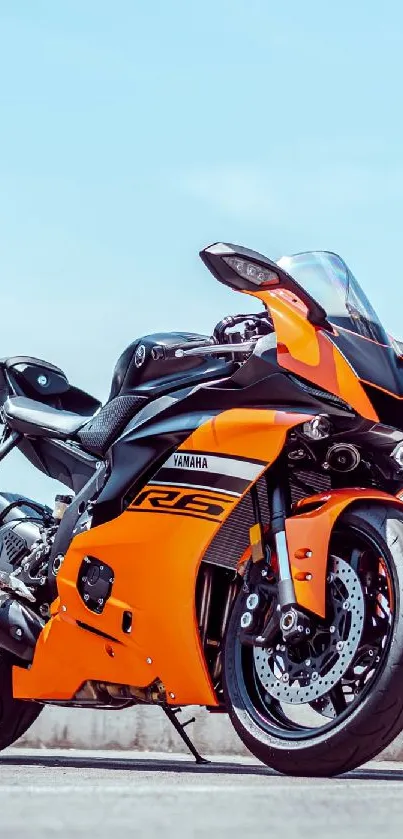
[{"x": 233, "y": 538}]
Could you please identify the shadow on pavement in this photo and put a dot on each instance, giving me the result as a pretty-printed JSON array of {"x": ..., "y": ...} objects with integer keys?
[
  {"x": 178, "y": 766},
  {"x": 136, "y": 765}
]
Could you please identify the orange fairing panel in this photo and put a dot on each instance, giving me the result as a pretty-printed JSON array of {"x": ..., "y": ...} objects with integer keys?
[
  {"x": 155, "y": 548},
  {"x": 308, "y": 351},
  {"x": 308, "y": 535}
]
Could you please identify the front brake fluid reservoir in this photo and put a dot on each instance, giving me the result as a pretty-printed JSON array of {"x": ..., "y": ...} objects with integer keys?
[{"x": 61, "y": 504}]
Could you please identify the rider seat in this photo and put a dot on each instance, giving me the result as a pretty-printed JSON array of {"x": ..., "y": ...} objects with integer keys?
[{"x": 138, "y": 377}]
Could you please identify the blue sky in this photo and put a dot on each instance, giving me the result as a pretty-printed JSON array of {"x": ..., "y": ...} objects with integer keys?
[{"x": 134, "y": 133}]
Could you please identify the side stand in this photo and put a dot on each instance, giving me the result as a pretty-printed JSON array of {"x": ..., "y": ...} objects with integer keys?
[{"x": 180, "y": 728}]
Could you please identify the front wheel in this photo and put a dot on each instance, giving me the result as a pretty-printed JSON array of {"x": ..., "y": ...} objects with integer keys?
[{"x": 333, "y": 701}]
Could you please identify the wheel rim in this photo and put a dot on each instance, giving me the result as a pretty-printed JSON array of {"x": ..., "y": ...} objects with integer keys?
[{"x": 276, "y": 714}]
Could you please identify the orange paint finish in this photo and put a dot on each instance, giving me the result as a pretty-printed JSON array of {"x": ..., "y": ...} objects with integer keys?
[
  {"x": 155, "y": 557},
  {"x": 256, "y": 433},
  {"x": 311, "y": 532},
  {"x": 155, "y": 554},
  {"x": 307, "y": 350}
]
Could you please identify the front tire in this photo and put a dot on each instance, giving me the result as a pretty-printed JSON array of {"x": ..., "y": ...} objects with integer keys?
[
  {"x": 373, "y": 717},
  {"x": 16, "y": 716}
]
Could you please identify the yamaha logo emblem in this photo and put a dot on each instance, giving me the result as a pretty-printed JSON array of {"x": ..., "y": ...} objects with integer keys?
[{"x": 140, "y": 355}]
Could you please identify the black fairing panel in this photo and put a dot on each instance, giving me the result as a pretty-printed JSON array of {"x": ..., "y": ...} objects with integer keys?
[
  {"x": 138, "y": 372},
  {"x": 373, "y": 363},
  {"x": 42, "y": 381},
  {"x": 62, "y": 461}
]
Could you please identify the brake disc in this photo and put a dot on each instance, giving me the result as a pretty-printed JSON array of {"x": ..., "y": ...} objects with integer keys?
[{"x": 302, "y": 673}]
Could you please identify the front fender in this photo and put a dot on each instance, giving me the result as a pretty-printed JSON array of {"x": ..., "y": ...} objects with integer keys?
[{"x": 308, "y": 534}]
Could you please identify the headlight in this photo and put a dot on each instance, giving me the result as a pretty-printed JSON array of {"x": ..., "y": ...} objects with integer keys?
[{"x": 252, "y": 271}]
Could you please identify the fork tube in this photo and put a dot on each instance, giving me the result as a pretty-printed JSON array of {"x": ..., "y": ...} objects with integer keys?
[{"x": 286, "y": 591}]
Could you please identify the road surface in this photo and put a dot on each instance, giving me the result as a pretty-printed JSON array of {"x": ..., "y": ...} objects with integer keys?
[{"x": 107, "y": 796}]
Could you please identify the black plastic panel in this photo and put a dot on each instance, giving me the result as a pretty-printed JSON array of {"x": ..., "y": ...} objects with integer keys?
[
  {"x": 137, "y": 371},
  {"x": 94, "y": 583}
]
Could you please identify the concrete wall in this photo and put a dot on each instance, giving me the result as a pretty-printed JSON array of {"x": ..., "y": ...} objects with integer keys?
[{"x": 142, "y": 728}]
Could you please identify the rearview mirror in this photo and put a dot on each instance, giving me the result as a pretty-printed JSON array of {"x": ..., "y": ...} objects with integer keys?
[{"x": 246, "y": 270}]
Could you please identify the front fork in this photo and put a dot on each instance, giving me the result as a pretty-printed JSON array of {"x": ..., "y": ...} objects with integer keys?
[
  {"x": 278, "y": 514},
  {"x": 292, "y": 620}
]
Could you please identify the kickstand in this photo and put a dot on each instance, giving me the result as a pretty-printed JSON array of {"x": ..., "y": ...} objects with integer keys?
[{"x": 180, "y": 728}]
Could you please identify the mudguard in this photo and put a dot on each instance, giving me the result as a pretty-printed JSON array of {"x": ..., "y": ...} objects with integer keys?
[{"x": 308, "y": 535}]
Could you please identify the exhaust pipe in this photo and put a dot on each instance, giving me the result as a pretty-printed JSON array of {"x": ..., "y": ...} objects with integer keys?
[{"x": 20, "y": 628}]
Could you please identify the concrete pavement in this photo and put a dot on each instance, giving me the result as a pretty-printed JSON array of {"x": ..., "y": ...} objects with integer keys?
[{"x": 100, "y": 795}]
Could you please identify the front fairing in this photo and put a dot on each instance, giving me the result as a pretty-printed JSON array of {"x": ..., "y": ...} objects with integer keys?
[
  {"x": 357, "y": 331},
  {"x": 327, "y": 331},
  {"x": 375, "y": 364}
]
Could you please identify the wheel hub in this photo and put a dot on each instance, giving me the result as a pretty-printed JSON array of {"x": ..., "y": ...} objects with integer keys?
[{"x": 302, "y": 673}]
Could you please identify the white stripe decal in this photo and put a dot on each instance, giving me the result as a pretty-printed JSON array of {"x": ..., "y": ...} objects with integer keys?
[
  {"x": 198, "y": 486},
  {"x": 218, "y": 465}
]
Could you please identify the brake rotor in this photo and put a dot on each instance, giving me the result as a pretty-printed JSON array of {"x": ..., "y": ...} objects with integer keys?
[{"x": 302, "y": 673}]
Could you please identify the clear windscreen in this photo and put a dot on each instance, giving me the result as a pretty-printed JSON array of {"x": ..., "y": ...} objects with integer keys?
[{"x": 327, "y": 278}]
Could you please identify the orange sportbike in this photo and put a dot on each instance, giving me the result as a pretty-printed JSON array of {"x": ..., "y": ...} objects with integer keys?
[{"x": 234, "y": 534}]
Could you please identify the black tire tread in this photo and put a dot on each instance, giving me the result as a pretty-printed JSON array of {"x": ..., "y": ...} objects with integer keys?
[
  {"x": 16, "y": 715},
  {"x": 356, "y": 741}
]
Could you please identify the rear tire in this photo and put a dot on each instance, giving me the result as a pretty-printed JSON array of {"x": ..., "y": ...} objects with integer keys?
[
  {"x": 371, "y": 724},
  {"x": 16, "y": 716}
]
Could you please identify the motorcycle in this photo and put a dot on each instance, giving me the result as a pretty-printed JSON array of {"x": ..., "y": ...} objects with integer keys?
[{"x": 233, "y": 535}]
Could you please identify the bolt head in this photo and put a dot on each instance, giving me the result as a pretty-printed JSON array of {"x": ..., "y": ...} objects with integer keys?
[
  {"x": 285, "y": 677},
  {"x": 315, "y": 676},
  {"x": 149, "y": 660},
  {"x": 252, "y": 601},
  {"x": 332, "y": 629},
  {"x": 246, "y": 620}
]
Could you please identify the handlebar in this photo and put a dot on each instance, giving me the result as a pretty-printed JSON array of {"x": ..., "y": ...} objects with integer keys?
[{"x": 222, "y": 342}]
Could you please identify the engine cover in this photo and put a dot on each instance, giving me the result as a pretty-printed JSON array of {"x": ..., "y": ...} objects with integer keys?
[
  {"x": 94, "y": 583},
  {"x": 25, "y": 541}
]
